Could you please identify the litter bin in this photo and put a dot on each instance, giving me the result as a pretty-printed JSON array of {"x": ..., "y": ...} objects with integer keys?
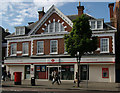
[
  {"x": 33, "y": 81},
  {"x": 17, "y": 78}
]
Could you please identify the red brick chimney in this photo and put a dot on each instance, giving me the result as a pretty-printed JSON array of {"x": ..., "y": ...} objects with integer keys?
[
  {"x": 80, "y": 9},
  {"x": 111, "y": 5},
  {"x": 41, "y": 13}
]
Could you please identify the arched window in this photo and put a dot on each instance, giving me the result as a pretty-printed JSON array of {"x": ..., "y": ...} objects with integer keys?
[
  {"x": 54, "y": 27},
  {"x": 57, "y": 27},
  {"x": 51, "y": 27}
]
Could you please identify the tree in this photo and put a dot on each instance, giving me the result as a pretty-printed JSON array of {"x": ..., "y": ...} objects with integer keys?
[{"x": 80, "y": 39}]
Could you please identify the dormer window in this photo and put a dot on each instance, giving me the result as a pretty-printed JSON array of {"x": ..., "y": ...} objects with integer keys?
[
  {"x": 99, "y": 24},
  {"x": 54, "y": 27},
  {"x": 92, "y": 24},
  {"x": 20, "y": 30},
  {"x": 96, "y": 24}
]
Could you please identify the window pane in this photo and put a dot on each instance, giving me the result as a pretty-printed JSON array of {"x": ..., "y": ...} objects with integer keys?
[
  {"x": 92, "y": 24},
  {"x": 57, "y": 27},
  {"x": 17, "y": 31},
  {"x": 51, "y": 27},
  {"x": 104, "y": 47},
  {"x": 62, "y": 27},
  {"x": 40, "y": 47},
  {"x": 46, "y": 30},
  {"x": 99, "y": 24},
  {"x": 25, "y": 48},
  {"x": 21, "y": 31},
  {"x": 13, "y": 49},
  {"x": 53, "y": 46}
]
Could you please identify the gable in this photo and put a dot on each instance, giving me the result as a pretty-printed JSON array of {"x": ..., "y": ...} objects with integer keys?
[
  {"x": 52, "y": 13},
  {"x": 56, "y": 18}
]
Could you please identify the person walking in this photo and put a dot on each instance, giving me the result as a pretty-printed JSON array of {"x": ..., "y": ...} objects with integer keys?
[
  {"x": 55, "y": 77},
  {"x": 4, "y": 75},
  {"x": 9, "y": 75}
]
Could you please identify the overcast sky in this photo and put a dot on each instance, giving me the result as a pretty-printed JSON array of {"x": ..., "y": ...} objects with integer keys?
[{"x": 19, "y": 12}]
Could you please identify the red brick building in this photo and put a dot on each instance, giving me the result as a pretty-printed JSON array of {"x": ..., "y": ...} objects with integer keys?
[{"x": 37, "y": 49}]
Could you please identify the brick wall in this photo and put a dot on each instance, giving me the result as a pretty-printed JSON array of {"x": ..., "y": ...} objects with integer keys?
[
  {"x": 110, "y": 43},
  {"x": 47, "y": 46},
  {"x": 56, "y": 17},
  {"x": 60, "y": 46},
  {"x": 19, "y": 47}
]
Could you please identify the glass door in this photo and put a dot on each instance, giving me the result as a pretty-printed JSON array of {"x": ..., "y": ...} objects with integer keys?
[
  {"x": 51, "y": 69},
  {"x": 84, "y": 72},
  {"x": 27, "y": 71}
]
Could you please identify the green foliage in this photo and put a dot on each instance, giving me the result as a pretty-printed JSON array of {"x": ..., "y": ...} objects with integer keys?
[{"x": 80, "y": 38}]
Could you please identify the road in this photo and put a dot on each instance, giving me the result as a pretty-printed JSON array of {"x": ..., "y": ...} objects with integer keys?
[
  {"x": 57, "y": 92},
  {"x": 39, "y": 90}
]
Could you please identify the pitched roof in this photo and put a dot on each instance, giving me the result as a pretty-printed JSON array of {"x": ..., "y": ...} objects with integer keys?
[
  {"x": 32, "y": 27},
  {"x": 72, "y": 17}
]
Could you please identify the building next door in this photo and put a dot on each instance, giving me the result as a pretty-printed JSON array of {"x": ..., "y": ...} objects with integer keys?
[{"x": 51, "y": 69}]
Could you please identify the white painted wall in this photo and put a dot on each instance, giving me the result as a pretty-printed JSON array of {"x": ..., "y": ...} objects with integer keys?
[
  {"x": 95, "y": 73},
  {"x": 15, "y": 68},
  {"x": 75, "y": 70}
]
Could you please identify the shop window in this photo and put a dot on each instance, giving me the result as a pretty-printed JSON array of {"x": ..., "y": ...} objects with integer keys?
[
  {"x": 105, "y": 73},
  {"x": 40, "y": 72},
  {"x": 67, "y": 72}
]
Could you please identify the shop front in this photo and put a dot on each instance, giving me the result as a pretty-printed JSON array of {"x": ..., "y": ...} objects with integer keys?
[{"x": 66, "y": 72}]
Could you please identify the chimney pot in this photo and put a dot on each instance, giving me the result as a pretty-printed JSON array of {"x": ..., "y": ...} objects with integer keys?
[
  {"x": 41, "y": 13},
  {"x": 111, "y": 5},
  {"x": 80, "y": 9}
]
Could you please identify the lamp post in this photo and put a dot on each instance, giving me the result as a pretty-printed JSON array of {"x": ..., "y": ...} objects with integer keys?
[{"x": 78, "y": 71}]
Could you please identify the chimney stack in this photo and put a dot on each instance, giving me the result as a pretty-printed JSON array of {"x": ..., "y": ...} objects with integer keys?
[
  {"x": 7, "y": 30},
  {"x": 41, "y": 13},
  {"x": 111, "y": 5},
  {"x": 80, "y": 9}
]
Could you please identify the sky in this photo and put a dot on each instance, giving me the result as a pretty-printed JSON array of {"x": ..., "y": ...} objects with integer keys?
[{"x": 19, "y": 12}]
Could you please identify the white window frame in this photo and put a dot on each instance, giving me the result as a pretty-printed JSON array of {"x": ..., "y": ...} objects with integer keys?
[
  {"x": 37, "y": 48},
  {"x": 26, "y": 54},
  {"x": 19, "y": 31},
  {"x": 107, "y": 51},
  {"x": 51, "y": 47},
  {"x": 11, "y": 53},
  {"x": 101, "y": 24},
  {"x": 96, "y": 24},
  {"x": 91, "y": 24},
  {"x": 54, "y": 24}
]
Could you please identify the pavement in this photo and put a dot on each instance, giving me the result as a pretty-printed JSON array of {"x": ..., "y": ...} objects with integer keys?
[{"x": 42, "y": 85}]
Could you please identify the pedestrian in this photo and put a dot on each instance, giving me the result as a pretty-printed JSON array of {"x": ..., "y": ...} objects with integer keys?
[
  {"x": 9, "y": 75},
  {"x": 55, "y": 77},
  {"x": 59, "y": 78},
  {"x": 4, "y": 75}
]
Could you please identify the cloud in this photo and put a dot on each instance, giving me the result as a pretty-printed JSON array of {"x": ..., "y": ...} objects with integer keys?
[{"x": 16, "y": 11}]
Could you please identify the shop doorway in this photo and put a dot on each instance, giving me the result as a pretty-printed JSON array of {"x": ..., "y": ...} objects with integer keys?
[
  {"x": 51, "y": 69},
  {"x": 27, "y": 71},
  {"x": 84, "y": 72}
]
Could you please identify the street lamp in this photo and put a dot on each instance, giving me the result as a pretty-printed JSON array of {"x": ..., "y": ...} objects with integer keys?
[{"x": 78, "y": 71}]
